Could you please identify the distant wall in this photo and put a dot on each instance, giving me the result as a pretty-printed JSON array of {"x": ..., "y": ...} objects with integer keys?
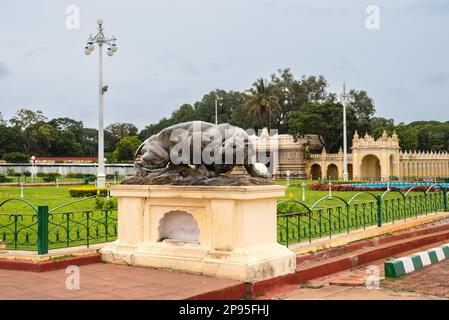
[{"x": 66, "y": 168}]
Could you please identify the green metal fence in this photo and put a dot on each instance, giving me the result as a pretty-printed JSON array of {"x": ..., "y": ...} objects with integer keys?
[
  {"x": 297, "y": 222},
  {"x": 45, "y": 229}
]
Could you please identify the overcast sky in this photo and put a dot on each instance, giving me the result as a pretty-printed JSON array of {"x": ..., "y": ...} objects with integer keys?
[{"x": 174, "y": 51}]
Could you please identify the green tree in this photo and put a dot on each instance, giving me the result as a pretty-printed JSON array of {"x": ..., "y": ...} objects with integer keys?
[
  {"x": 325, "y": 120},
  {"x": 293, "y": 94},
  {"x": 261, "y": 103},
  {"x": 16, "y": 157},
  {"x": 69, "y": 137},
  {"x": 116, "y": 131},
  {"x": 362, "y": 104},
  {"x": 126, "y": 148},
  {"x": 11, "y": 140},
  {"x": 25, "y": 118},
  {"x": 89, "y": 141},
  {"x": 40, "y": 138}
]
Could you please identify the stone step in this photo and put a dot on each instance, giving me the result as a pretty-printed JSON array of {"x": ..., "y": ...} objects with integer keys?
[
  {"x": 313, "y": 269},
  {"x": 304, "y": 259}
]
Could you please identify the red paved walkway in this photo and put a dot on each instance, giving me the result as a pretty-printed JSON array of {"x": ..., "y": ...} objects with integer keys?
[{"x": 107, "y": 281}]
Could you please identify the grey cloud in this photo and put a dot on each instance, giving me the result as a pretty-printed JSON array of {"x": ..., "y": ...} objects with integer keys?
[
  {"x": 32, "y": 52},
  {"x": 440, "y": 78},
  {"x": 192, "y": 69},
  {"x": 4, "y": 70},
  {"x": 433, "y": 6}
]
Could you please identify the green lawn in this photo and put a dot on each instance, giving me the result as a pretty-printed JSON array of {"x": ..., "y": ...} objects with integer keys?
[
  {"x": 328, "y": 216},
  {"x": 66, "y": 227},
  {"x": 295, "y": 192},
  {"x": 42, "y": 195},
  {"x": 53, "y": 197}
]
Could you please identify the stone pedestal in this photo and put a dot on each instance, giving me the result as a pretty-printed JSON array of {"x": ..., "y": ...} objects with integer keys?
[{"x": 221, "y": 231}]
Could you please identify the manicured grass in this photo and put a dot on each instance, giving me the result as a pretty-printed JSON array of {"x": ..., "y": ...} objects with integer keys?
[
  {"x": 70, "y": 221},
  {"x": 53, "y": 197},
  {"x": 42, "y": 195},
  {"x": 294, "y": 192},
  {"x": 359, "y": 216}
]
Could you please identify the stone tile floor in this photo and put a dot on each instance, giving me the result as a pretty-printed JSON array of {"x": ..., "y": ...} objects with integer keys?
[
  {"x": 431, "y": 283},
  {"x": 107, "y": 281}
]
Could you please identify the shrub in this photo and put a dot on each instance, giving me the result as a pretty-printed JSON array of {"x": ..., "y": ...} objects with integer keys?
[
  {"x": 41, "y": 174},
  {"x": 27, "y": 174},
  {"x": 87, "y": 192},
  {"x": 290, "y": 207},
  {"x": 15, "y": 157},
  {"x": 105, "y": 204},
  {"x": 4, "y": 179},
  {"x": 49, "y": 179},
  {"x": 10, "y": 172},
  {"x": 90, "y": 177},
  {"x": 75, "y": 175}
]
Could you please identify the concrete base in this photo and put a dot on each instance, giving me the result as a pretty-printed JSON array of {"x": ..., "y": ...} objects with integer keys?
[
  {"x": 237, "y": 238},
  {"x": 246, "y": 265}
]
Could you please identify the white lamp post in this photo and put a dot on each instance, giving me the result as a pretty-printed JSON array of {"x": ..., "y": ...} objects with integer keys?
[
  {"x": 100, "y": 39},
  {"x": 303, "y": 185},
  {"x": 33, "y": 158},
  {"x": 345, "y": 142},
  {"x": 216, "y": 108}
]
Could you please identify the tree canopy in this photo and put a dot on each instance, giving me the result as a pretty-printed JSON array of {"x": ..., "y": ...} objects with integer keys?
[{"x": 292, "y": 105}]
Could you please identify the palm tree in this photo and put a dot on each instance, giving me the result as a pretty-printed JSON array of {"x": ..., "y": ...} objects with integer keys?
[{"x": 261, "y": 103}]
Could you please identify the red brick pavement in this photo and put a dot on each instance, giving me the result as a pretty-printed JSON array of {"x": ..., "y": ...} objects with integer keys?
[{"x": 108, "y": 281}]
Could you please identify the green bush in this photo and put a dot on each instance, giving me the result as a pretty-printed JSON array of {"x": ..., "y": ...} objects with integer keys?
[
  {"x": 78, "y": 192},
  {"x": 90, "y": 177},
  {"x": 105, "y": 204},
  {"x": 15, "y": 157},
  {"x": 74, "y": 175},
  {"x": 27, "y": 174},
  {"x": 41, "y": 174},
  {"x": 53, "y": 174},
  {"x": 290, "y": 207},
  {"x": 4, "y": 179},
  {"x": 49, "y": 179},
  {"x": 10, "y": 172}
]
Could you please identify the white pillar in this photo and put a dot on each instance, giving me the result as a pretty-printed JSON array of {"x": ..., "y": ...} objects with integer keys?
[
  {"x": 101, "y": 177},
  {"x": 216, "y": 109}
]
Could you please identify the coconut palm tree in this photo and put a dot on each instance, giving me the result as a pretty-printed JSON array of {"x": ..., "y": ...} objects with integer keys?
[{"x": 261, "y": 103}]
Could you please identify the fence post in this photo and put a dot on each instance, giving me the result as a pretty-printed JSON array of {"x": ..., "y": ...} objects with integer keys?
[
  {"x": 379, "y": 210},
  {"x": 42, "y": 229},
  {"x": 445, "y": 200}
]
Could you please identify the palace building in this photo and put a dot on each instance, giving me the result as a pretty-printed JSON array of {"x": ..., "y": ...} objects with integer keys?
[{"x": 369, "y": 158}]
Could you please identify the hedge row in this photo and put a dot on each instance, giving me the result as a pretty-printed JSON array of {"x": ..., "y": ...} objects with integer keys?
[
  {"x": 342, "y": 187},
  {"x": 87, "y": 192},
  {"x": 4, "y": 179}
]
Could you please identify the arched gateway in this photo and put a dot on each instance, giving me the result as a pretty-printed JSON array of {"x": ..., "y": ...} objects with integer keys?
[{"x": 370, "y": 167}]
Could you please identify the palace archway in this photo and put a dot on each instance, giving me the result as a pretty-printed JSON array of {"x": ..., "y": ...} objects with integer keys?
[
  {"x": 350, "y": 171},
  {"x": 315, "y": 172},
  {"x": 370, "y": 167},
  {"x": 332, "y": 172}
]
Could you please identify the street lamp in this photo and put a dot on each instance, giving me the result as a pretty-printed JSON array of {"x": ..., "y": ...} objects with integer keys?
[
  {"x": 100, "y": 39},
  {"x": 216, "y": 107},
  {"x": 33, "y": 158},
  {"x": 345, "y": 138}
]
